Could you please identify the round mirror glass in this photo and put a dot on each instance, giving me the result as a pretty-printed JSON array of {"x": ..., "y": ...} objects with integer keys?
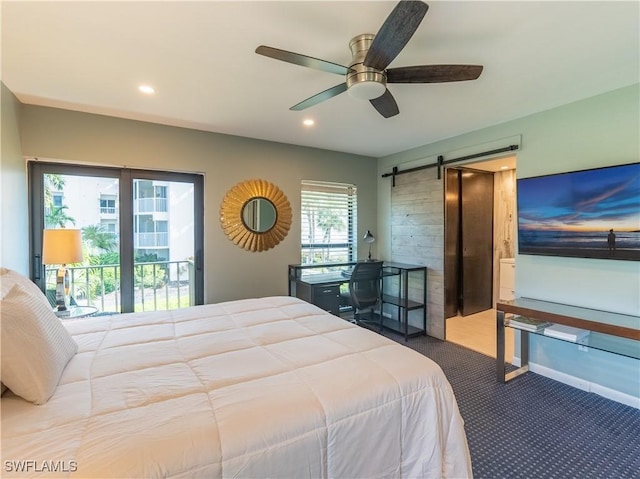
[{"x": 259, "y": 215}]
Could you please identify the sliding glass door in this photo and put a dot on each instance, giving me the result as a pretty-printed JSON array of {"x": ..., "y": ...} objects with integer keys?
[
  {"x": 142, "y": 235},
  {"x": 164, "y": 251}
]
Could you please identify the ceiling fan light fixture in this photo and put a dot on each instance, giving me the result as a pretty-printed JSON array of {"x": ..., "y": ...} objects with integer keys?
[
  {"x": 364, "y": 83},
  {"x": 367, "y": 75},
  {"x": 366, "y": 90}
]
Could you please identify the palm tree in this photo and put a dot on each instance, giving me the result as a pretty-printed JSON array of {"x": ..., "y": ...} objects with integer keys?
[
  {"x": 56, "y": 216},
  {"x": 328, "y": 220},
  {"x": 102, "y": 247},
  {"x": 52, "y": 182},
  {"x": 97, "y": 238}
]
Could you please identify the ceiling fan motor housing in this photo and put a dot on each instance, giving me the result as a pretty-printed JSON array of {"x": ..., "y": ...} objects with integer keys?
[
  {"x": 364, "y": 83},
  {"x": 367, "y": 76}
]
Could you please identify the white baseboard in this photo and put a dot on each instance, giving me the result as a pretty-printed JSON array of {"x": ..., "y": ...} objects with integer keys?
[
  {"x": 560, "y": 377},
  {"x": 626, "y": 399}
]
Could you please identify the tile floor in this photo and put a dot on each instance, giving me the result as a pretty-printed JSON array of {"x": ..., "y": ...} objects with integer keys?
[{"x": 478, "y": 333}]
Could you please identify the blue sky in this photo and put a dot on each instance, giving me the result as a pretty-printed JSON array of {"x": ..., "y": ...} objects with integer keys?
[{"x": 589, "y": 200}]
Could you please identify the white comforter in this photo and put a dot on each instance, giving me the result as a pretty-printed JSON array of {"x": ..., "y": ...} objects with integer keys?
[{"x": 270, "y": 387}]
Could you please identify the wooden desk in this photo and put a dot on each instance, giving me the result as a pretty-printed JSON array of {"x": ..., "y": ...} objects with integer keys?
[{"x": 611, "y": 332}]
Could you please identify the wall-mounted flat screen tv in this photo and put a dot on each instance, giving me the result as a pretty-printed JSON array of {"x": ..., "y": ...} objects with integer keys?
[{"x": 588, "y": 214}]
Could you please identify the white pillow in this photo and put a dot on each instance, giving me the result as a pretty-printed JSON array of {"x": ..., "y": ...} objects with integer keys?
[
  {"x": 35, "y": 346},
  {"x": 9, "y": 278}
]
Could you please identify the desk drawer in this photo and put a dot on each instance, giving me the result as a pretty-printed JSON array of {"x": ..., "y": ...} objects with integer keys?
[{"x": 327, "y": 297}]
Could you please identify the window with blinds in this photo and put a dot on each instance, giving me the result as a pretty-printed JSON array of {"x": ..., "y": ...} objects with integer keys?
[{"x": 328, "y": 222}]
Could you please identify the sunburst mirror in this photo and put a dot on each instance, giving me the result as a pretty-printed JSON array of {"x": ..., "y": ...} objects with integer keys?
[{"x": 255, "y": 215}]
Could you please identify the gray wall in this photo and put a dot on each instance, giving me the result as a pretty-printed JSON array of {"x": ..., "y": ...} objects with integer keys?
[
  {"x": 13, "y": 216},
  {"x": 599, "y": 131},
  {"x": 230, "y": 272}
]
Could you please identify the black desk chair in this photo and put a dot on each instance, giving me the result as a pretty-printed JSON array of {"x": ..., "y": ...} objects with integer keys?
[{"x": 365, "y": 287}]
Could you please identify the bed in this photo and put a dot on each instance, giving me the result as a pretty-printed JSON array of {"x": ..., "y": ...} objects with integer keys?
[{"x": 264, "y": 387}]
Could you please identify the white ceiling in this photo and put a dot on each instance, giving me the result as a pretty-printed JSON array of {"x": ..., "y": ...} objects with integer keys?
[{"x": 91, "y": 56}]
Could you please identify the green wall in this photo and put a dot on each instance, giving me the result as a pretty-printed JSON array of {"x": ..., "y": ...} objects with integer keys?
[{"x": 600, "y": 131}]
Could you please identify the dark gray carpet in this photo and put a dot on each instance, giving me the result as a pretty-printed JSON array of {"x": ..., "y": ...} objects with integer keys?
[{"x": 534, "y": 427}]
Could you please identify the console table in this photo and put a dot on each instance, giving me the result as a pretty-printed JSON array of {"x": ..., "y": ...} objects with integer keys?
[
  {"x": 611, "y": 332},
  {"x": 320, "y": 284}
]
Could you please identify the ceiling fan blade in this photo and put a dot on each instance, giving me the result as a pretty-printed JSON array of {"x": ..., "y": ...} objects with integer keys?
[
  {"x": 302, "y": 60},
  {"x": 433, "y": 73},
  {"x": 386, "y": 105},
  {"x": 320, "y": 97},
  {"x": 395, "y": 32}
]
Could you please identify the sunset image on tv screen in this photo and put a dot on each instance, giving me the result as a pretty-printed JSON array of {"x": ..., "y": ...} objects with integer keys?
[{"x": 590, "y": 213}]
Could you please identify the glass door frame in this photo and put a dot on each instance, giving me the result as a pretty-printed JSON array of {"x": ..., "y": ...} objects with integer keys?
[{"x": 36, "y": 172}]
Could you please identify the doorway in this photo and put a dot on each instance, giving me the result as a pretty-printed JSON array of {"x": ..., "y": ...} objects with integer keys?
[
  {"x": 468, "y": 241},
  {"x": 476, "y": 330}
]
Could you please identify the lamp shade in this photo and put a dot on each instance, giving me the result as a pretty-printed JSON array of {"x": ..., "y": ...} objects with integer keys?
[
  {"x": 61, "y": 246},
  {"x": 368, "y": 237}
]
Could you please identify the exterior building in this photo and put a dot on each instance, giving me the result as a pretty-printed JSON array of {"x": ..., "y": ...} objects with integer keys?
[{"x": 162, "y": 212}]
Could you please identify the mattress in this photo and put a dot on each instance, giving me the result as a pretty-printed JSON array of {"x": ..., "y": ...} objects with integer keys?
[{"x": 264, "y": 387}]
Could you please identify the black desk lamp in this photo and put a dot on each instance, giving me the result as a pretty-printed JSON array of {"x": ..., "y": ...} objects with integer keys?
[{"x": 370, "y": 239}]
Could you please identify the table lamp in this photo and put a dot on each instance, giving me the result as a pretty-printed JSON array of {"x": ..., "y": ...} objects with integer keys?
[
  {"x": 369, "y": 239},
  {"x": 62, "y": 246}
]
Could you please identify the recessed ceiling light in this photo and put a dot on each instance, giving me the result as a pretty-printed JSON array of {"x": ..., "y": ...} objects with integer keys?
[
  {"x": 146, "y": 89},
  {"x": 308, "y": 122}
]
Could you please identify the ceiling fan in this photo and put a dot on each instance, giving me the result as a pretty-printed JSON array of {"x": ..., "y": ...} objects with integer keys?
[{"x": 367, "y": 75}]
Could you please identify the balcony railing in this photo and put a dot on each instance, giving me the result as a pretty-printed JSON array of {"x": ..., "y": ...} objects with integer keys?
[
  {"x": 160, "y": 285},
  {"x": 151, "y": 205},
  {"x": 151, "y": 240}
]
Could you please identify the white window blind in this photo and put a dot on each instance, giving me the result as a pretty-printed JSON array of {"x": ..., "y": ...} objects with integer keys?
[{"x": 328, "y": 222}]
